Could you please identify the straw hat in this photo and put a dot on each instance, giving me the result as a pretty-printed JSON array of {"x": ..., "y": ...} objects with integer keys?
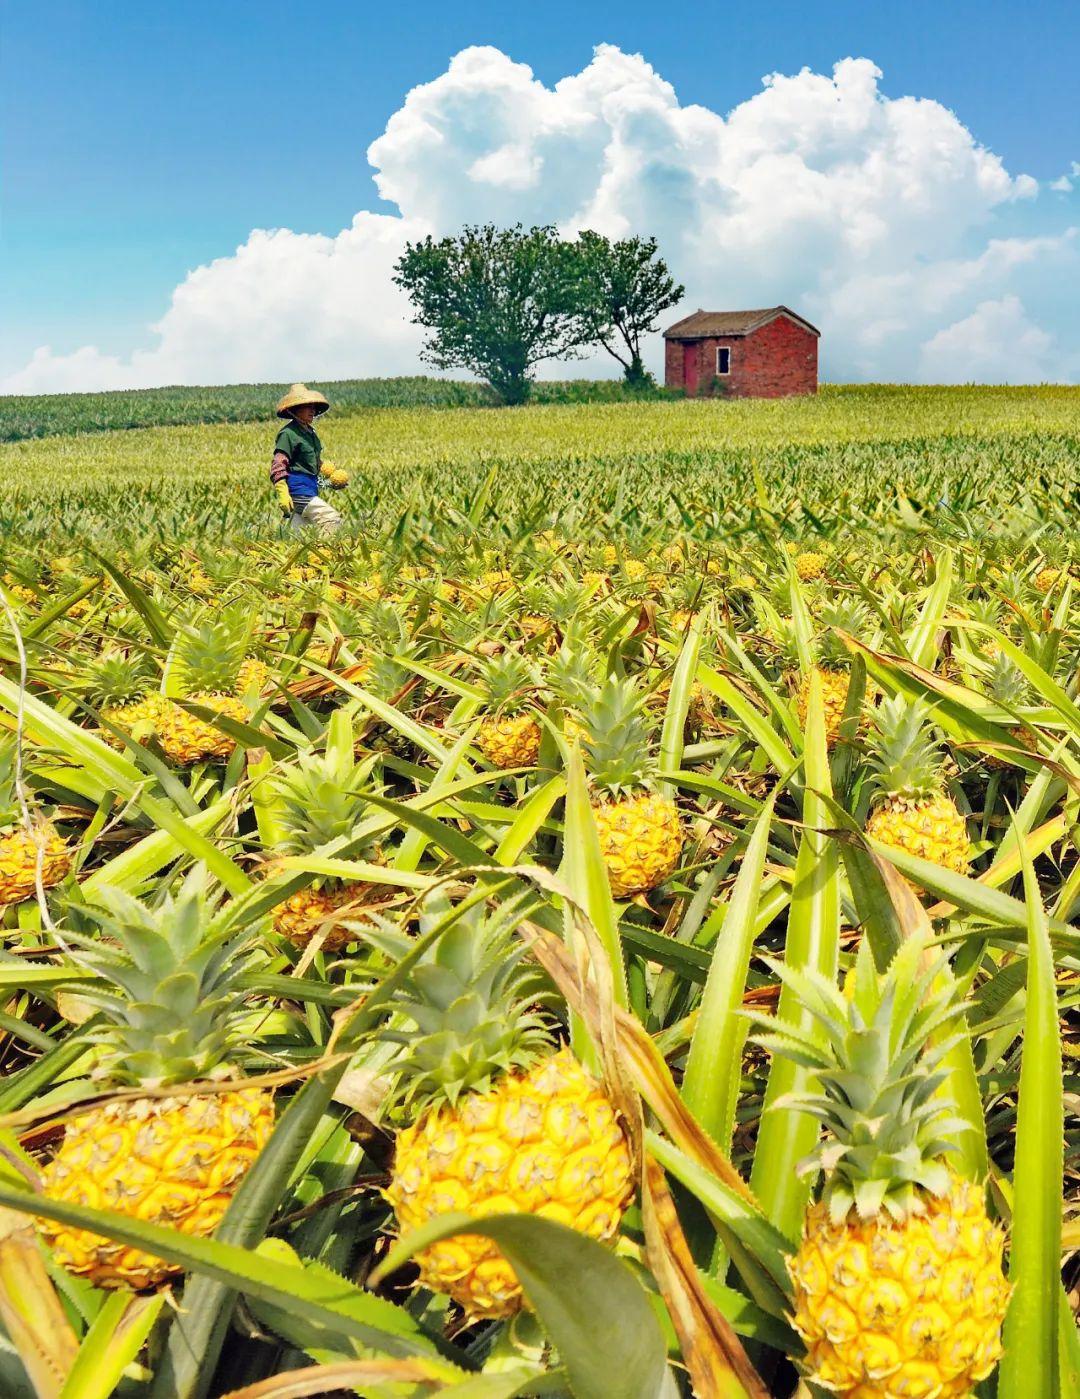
[{"x": 297, "y": 396}]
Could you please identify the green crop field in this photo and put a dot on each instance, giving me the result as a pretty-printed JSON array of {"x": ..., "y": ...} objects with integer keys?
[
  {"x": 634, "y": 861},
  {"x": 1000, "y": 460}
]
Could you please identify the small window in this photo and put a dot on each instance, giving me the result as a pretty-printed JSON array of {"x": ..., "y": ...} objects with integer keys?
[{"x": 723, "y": 359}]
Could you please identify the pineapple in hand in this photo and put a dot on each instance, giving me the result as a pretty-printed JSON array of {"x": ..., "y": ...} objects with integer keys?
[
  {"x": 172, "y": 1009},
  {"x": 639, "y": 828},
  {"x": 503, "y": 1121},
  {"x": 898, "y": 1283},
  {"x": 913, "y": 812}
]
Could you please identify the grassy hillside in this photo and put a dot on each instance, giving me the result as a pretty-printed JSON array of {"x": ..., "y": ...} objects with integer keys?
[
  {"x": 46, "y": 415},
  {"x": 1003, "y": 460}
]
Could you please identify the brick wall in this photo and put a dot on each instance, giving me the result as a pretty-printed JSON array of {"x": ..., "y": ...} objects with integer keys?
[{"x": 777, "y": 360}]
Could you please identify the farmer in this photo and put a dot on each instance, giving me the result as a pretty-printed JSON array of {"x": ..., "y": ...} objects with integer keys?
[{"x": 298, "y": 463}]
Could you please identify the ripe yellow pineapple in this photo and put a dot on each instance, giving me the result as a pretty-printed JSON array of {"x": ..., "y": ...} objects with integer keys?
[
  {"x": 898, "y": 1284},
  {"x": 315, "y": 803},
  {"x": 640, "y": 830},
  {"x": 913, "y": 811},
  {"x": 510, "y": 733},
  {"x": 117, "y": 686},
  {"x": 834, "y": 693},
  {"x": 810, "y": 565},
  {"x": 506, "y": 1124},
  {"x": 207, "y": 657},
  {"x": 23, "y": 850},
  {"x": 171, "y": 1006},
  {"x": 253, "y": 677},
  {"x": 833, "y": 661}
]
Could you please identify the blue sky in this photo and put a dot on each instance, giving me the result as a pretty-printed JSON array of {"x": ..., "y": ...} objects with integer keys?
[{"x": 144, "y": 140}]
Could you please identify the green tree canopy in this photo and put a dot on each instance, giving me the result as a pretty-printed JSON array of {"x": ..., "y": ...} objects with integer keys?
[
  {"x": 625, "y": 285},
  {"x": 497, "y": 302}
]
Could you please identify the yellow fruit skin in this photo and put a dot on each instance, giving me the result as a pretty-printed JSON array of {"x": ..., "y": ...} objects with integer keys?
[
  {"x": 304, "y": 913},
  {"x": 931, "y": 828},
  {"x": 510, "y": 740},
  {"x": 186, "y": 739},
  {"x": 834, "y": 693},
  {"x": 174, "y": 1161},
  {"x": 253, "y": 675},
  {"x": 902, "y": 1311},
  {"x": 810, "y": 566},
  {"x": 19, "y": 857},
  {"x": 640, "y": 840},
  {"x": 546, "y": 1142},
  {"x": 139, "y": 714}
]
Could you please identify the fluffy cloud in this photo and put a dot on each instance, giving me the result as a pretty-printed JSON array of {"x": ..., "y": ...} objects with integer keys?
[
  {"x": 883, "y": 219},
  {"x": 996, "y": 344}
]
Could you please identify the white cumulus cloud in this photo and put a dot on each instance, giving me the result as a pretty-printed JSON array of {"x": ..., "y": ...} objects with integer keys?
[
  {"x": 881, "y": 218},
  {"x": 996, "y": 344}
]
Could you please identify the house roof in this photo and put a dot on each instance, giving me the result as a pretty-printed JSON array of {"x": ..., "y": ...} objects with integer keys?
[{"x": 706, "y": 323}]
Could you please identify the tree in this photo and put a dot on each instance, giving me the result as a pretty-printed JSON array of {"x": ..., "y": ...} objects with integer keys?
[
  {"x": 624, "y": 288},
  {"x": 498, "y": 301}
]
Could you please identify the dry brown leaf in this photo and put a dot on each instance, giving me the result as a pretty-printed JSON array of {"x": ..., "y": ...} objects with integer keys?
[
  {"x": 30, "y": 1309},
  {"x": 712, "y": 1352}
]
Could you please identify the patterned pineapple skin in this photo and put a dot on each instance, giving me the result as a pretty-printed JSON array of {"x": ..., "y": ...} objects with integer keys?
[
  {"x": 253, "y": 675},
  {"x": 908, "y": 1310},
  {"x": 510, "y": 740},
  {"x": 307, "y": 912},
  {"x": 929, "y": 827},
  {"x": 141, "y": 714},
  {"x": 19, "y": 858},
  {"x": 834, "y": 693},
  {"x": 544, "y": 1142},
  {"x": 640, "y": 840},
  {"x": 175, "y": 1161},
  {"x": 187, "y": 739},
  {"x": 810, "y": 565}
]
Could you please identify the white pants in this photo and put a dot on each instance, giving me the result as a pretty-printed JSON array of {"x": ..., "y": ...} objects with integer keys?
[{"x": 318, "y": 515}]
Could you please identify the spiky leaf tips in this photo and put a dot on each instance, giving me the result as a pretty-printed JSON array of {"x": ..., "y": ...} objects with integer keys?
[
  {"x": 507, "y": 1123},
  {"x": 914, "y": 813},
  {"x": 898, "y": 1280},
  {"x": 639, "y": 828},
  {"x": 172, "y": 1019},
  {"x": 26, "y": 851}
]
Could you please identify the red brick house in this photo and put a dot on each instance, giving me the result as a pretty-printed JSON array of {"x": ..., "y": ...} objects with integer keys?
[{"x": 747, "y": 354}]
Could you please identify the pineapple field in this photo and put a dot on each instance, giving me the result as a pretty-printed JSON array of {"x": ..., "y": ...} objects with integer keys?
[{"x": 606, "y": 923}]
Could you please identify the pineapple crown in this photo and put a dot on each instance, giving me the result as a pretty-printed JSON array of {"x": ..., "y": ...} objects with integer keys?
[
  {"x": 1005, "y": 682},
  {"x": 575, "y": 671},
  {"x": 117, "y": 677},
  {"x": 878, "y": 1059},
  {"x": 507, "y": 680},
  {"x": 563, "y": 601},
  {"x": 616, "y": 734},
  {"x": 905, "y": 754},
  {"x": 470, "y": 1000},
  {"x": 322, "y": 799},
  {"x": 209, "y": 650},
  {"x": 170, "y": 1003},
  {"x": 849, "y": 615}
]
